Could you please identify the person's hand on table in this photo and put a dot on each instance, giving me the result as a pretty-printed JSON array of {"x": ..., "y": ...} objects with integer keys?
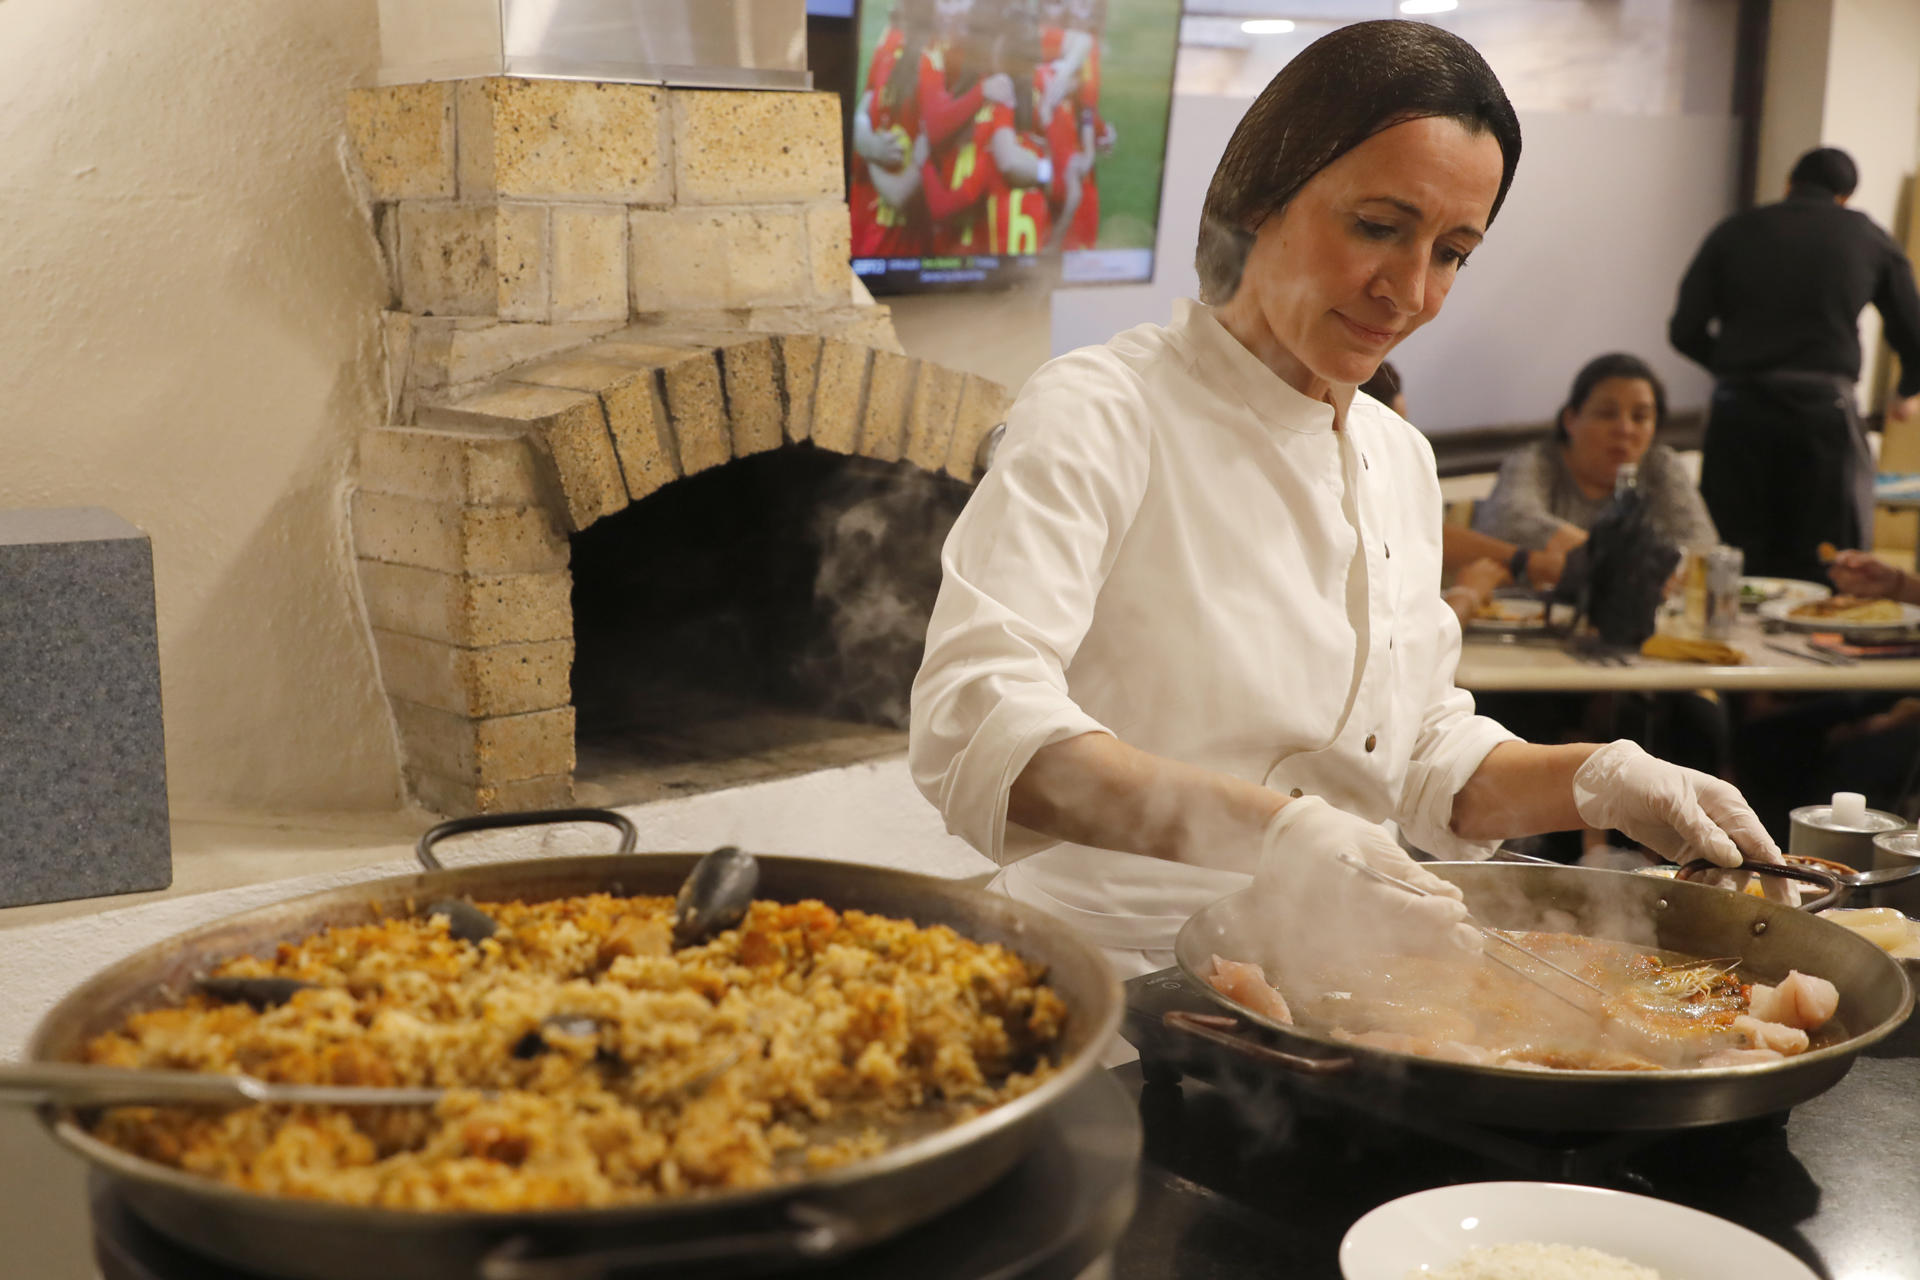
[
  {"x": 1903, "y": 408},
  {"x": 1679, "y": 813},
  {"x": 1323, "y": 908},
  {"x": 1859, "y": 573},
  {"x": 1474, "y": 586},
  {"x": 1545, "y": 567},
  {"x": 1565, "y": 539}
]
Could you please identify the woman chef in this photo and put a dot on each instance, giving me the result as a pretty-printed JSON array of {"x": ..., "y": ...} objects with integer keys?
[{"x": 1190, "y": 628}]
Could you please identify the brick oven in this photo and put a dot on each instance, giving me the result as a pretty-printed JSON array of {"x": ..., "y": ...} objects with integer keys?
[{"x": 596, "y": 291}]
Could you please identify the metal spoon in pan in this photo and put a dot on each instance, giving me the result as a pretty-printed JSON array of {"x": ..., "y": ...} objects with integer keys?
[{"x": 78, "y": 1085}]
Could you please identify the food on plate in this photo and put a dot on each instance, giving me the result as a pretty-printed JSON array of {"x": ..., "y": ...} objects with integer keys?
[
  {"x": 1247, "y": 985},
  {"x": 1827, "y": 552},
  {"x": 1511, "y": 612},
  {"x": 1652, "y": 1011},
  {"x": 1858, "y": 610},
  {"x": 1688, "y": 649},
  {"x": 589, "y": 1061},
  {"x": 1884, "y": 927},
  {"x": 1526, "y": 1260}
]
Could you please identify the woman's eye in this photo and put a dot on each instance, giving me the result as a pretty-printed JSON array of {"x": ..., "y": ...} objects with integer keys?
[
  {"x": 1451, "y": 257},
  {"x": 1375, "y": 230}
]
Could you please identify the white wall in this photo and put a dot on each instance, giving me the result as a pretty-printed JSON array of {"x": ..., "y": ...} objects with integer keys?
[
  {"x": 190, "y": 340},
  {"x": 1604, "y": 214}
]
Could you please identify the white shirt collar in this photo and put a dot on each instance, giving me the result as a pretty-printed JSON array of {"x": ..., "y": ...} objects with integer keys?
[{"x": 1272, "y": 399}]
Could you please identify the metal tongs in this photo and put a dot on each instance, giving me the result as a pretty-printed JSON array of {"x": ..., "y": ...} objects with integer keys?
[
  {"x": 1598, "y": 1011},
  {"x": 78, "y": 1086}
]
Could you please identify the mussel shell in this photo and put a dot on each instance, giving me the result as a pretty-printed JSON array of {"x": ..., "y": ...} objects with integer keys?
[
  {"x": 261, "y": 993},
  {"x": 715, "y": 895},
  {"x": 465, "y": 921}
]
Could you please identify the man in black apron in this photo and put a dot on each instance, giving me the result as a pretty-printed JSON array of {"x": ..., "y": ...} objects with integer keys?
[{"x": 1771, "y": 305}]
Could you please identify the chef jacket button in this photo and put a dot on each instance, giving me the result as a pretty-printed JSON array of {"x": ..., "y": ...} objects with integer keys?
[
  {"x": 1371, "y": 742},
  {"x": 1389, "y": 547},
  {"x": 1364, "y": 464},
  {"x": 1296, "y": 793}
]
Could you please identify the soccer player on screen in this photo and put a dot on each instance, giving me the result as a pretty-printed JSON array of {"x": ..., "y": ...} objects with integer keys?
[
  {"x": 1070, "y": 106},
  {"x": 988, "y": 195},
  {"x": 884, "y": 184}
]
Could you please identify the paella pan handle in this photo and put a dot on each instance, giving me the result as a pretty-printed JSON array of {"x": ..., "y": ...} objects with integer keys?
[
  {"x": 1220, "y": 1030},
  {"x": 810, "y": 1235},
  {"x": 545, "y": 817},
  {"x": 1833, "y": 889}
]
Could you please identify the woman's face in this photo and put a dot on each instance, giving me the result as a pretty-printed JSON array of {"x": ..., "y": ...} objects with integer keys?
[
  {"x": 1366, "y": 252},
  {"x": 1614, "y": 425}
]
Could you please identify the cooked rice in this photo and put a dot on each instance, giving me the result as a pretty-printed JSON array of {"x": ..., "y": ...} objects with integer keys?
[
  {"x": 1529, "y": 1261},
  {"x": 800, "y": 1040}
]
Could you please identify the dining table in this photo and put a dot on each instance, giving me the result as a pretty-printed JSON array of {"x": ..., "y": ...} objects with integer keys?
[{"x": 1784, "y": 661}]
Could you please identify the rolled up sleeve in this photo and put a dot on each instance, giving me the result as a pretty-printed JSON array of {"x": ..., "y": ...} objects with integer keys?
[
  {"x": 1450, "y": 747},
  {"x": 1021, "y": 573}
]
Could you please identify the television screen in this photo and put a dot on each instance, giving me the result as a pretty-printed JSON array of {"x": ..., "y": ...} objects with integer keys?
[{"x": 1000, "y": 141}]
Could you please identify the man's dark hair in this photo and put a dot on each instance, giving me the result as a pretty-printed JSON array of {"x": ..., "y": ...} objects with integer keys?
[
  {"x": 1341, "y": 90},
  {"x": 1617, "y": 364},
  {"x": 1827, "y": 169}
]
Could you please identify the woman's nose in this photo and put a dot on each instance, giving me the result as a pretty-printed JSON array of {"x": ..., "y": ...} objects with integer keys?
[{"x": 1403, "y": 283}]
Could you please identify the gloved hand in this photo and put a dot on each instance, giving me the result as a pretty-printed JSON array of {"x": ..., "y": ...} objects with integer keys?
[
  {"x": 1678, "y": 813},
  {"x": 1324, "y": 911}
]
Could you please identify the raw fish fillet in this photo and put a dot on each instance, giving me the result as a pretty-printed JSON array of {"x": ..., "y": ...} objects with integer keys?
[{"x": 1801, "y": 1000}]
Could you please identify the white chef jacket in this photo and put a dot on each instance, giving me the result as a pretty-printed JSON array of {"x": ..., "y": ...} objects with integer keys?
[{"x": 1176, "y": 547}]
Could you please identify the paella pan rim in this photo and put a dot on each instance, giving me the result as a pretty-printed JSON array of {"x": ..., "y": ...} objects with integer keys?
[
  {"x": 1813, "y": 1061},
  {"x": 614, "y": 873}
]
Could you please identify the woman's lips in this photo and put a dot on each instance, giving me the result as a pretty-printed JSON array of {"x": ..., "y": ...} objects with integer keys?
[{"x": 1376, "y": 337}]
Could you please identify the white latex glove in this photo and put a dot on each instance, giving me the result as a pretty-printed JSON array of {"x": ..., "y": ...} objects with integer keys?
[
  {"x": 1678, "y": 813},
  {"x": 1325, "y": 911}
]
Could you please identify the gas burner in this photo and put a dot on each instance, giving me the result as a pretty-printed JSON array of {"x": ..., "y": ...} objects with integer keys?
[
  {"x": 1058, "y": 1212},
  {"x": 1167, "y": 1056}
]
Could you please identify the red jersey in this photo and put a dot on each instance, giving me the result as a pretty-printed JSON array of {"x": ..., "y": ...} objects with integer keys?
[
  {"x": 975, "y": 208},
  {"x": 881, "y": 230}
]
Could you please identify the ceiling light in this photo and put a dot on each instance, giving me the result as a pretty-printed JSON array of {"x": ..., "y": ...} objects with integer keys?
[
  {"x": 1267, "y": 26},
  {"x": 1428, "y": 6}
]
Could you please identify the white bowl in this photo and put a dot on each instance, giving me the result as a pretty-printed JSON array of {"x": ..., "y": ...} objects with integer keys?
[{"x": 1432, "y": 1229}]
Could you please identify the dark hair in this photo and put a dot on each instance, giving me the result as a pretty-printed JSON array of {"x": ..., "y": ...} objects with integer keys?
[
  {"x": 1617, "y": 364},
  {"x": 1341, "y": 90},
  {"x": 1827, "y": 169},
  {"x": 1384, "y": 385}
]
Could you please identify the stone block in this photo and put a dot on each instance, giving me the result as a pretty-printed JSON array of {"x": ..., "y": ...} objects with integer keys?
[
  {"x": 459, "y": 352},
  {"x": 633, "y": 400},
  {"x": 743, "y": 148},
  {"x": 501, "y": 680},
  {"x": 564, "y": 140},
  {"x": 569, "y": 425},
  {"x": 456, "y": 539},
  {"x": 983, "y": 405},
  {"x": 800, "y": 370},
  {"x": 690, "y": 388},
  {"x": 523, "y": 260},
  {"x": 447, "y": 259},
  {"x": 473, "y": 611},
  {"x": 461, "y": 799},
  {"x": 931, "y": 413},
  {"x": 830, "y": 251},
  {"x": 486, "y": 751},
  {"x": 871, "y": 326},
  {"x": 716, "y": 258},
  {"x": 480, "y": 470},
  {"x": 83, "y": 771},
  {"x": 750, "y": 367},
  {"x": 840, "y": 395},
  {"x": 589, "y": 263},
  {"x": 883, "y": 424},
  {"x": 386, "y": 229},
  {"x": 403, "y": 137}
]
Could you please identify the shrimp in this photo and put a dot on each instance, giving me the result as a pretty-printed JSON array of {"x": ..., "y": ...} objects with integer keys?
[
  {"x": 1245, "y": 984},
  {"x": 1800, "y": 1000}
]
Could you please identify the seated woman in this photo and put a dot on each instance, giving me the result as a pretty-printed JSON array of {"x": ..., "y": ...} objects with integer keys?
[
  {"x": 1549, "y": 493},
  {"x": 1547, "y": 496}
]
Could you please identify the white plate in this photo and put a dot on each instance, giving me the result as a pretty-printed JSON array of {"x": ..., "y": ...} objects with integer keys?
[
  {"x": 1433, "y": 1229},
  {"x": 1781, "y": 610},
  {"x": 1798, "y": 590}
]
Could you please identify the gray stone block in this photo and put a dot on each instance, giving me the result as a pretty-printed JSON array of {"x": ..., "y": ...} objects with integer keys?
[{"x": 83, "y": 771}]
